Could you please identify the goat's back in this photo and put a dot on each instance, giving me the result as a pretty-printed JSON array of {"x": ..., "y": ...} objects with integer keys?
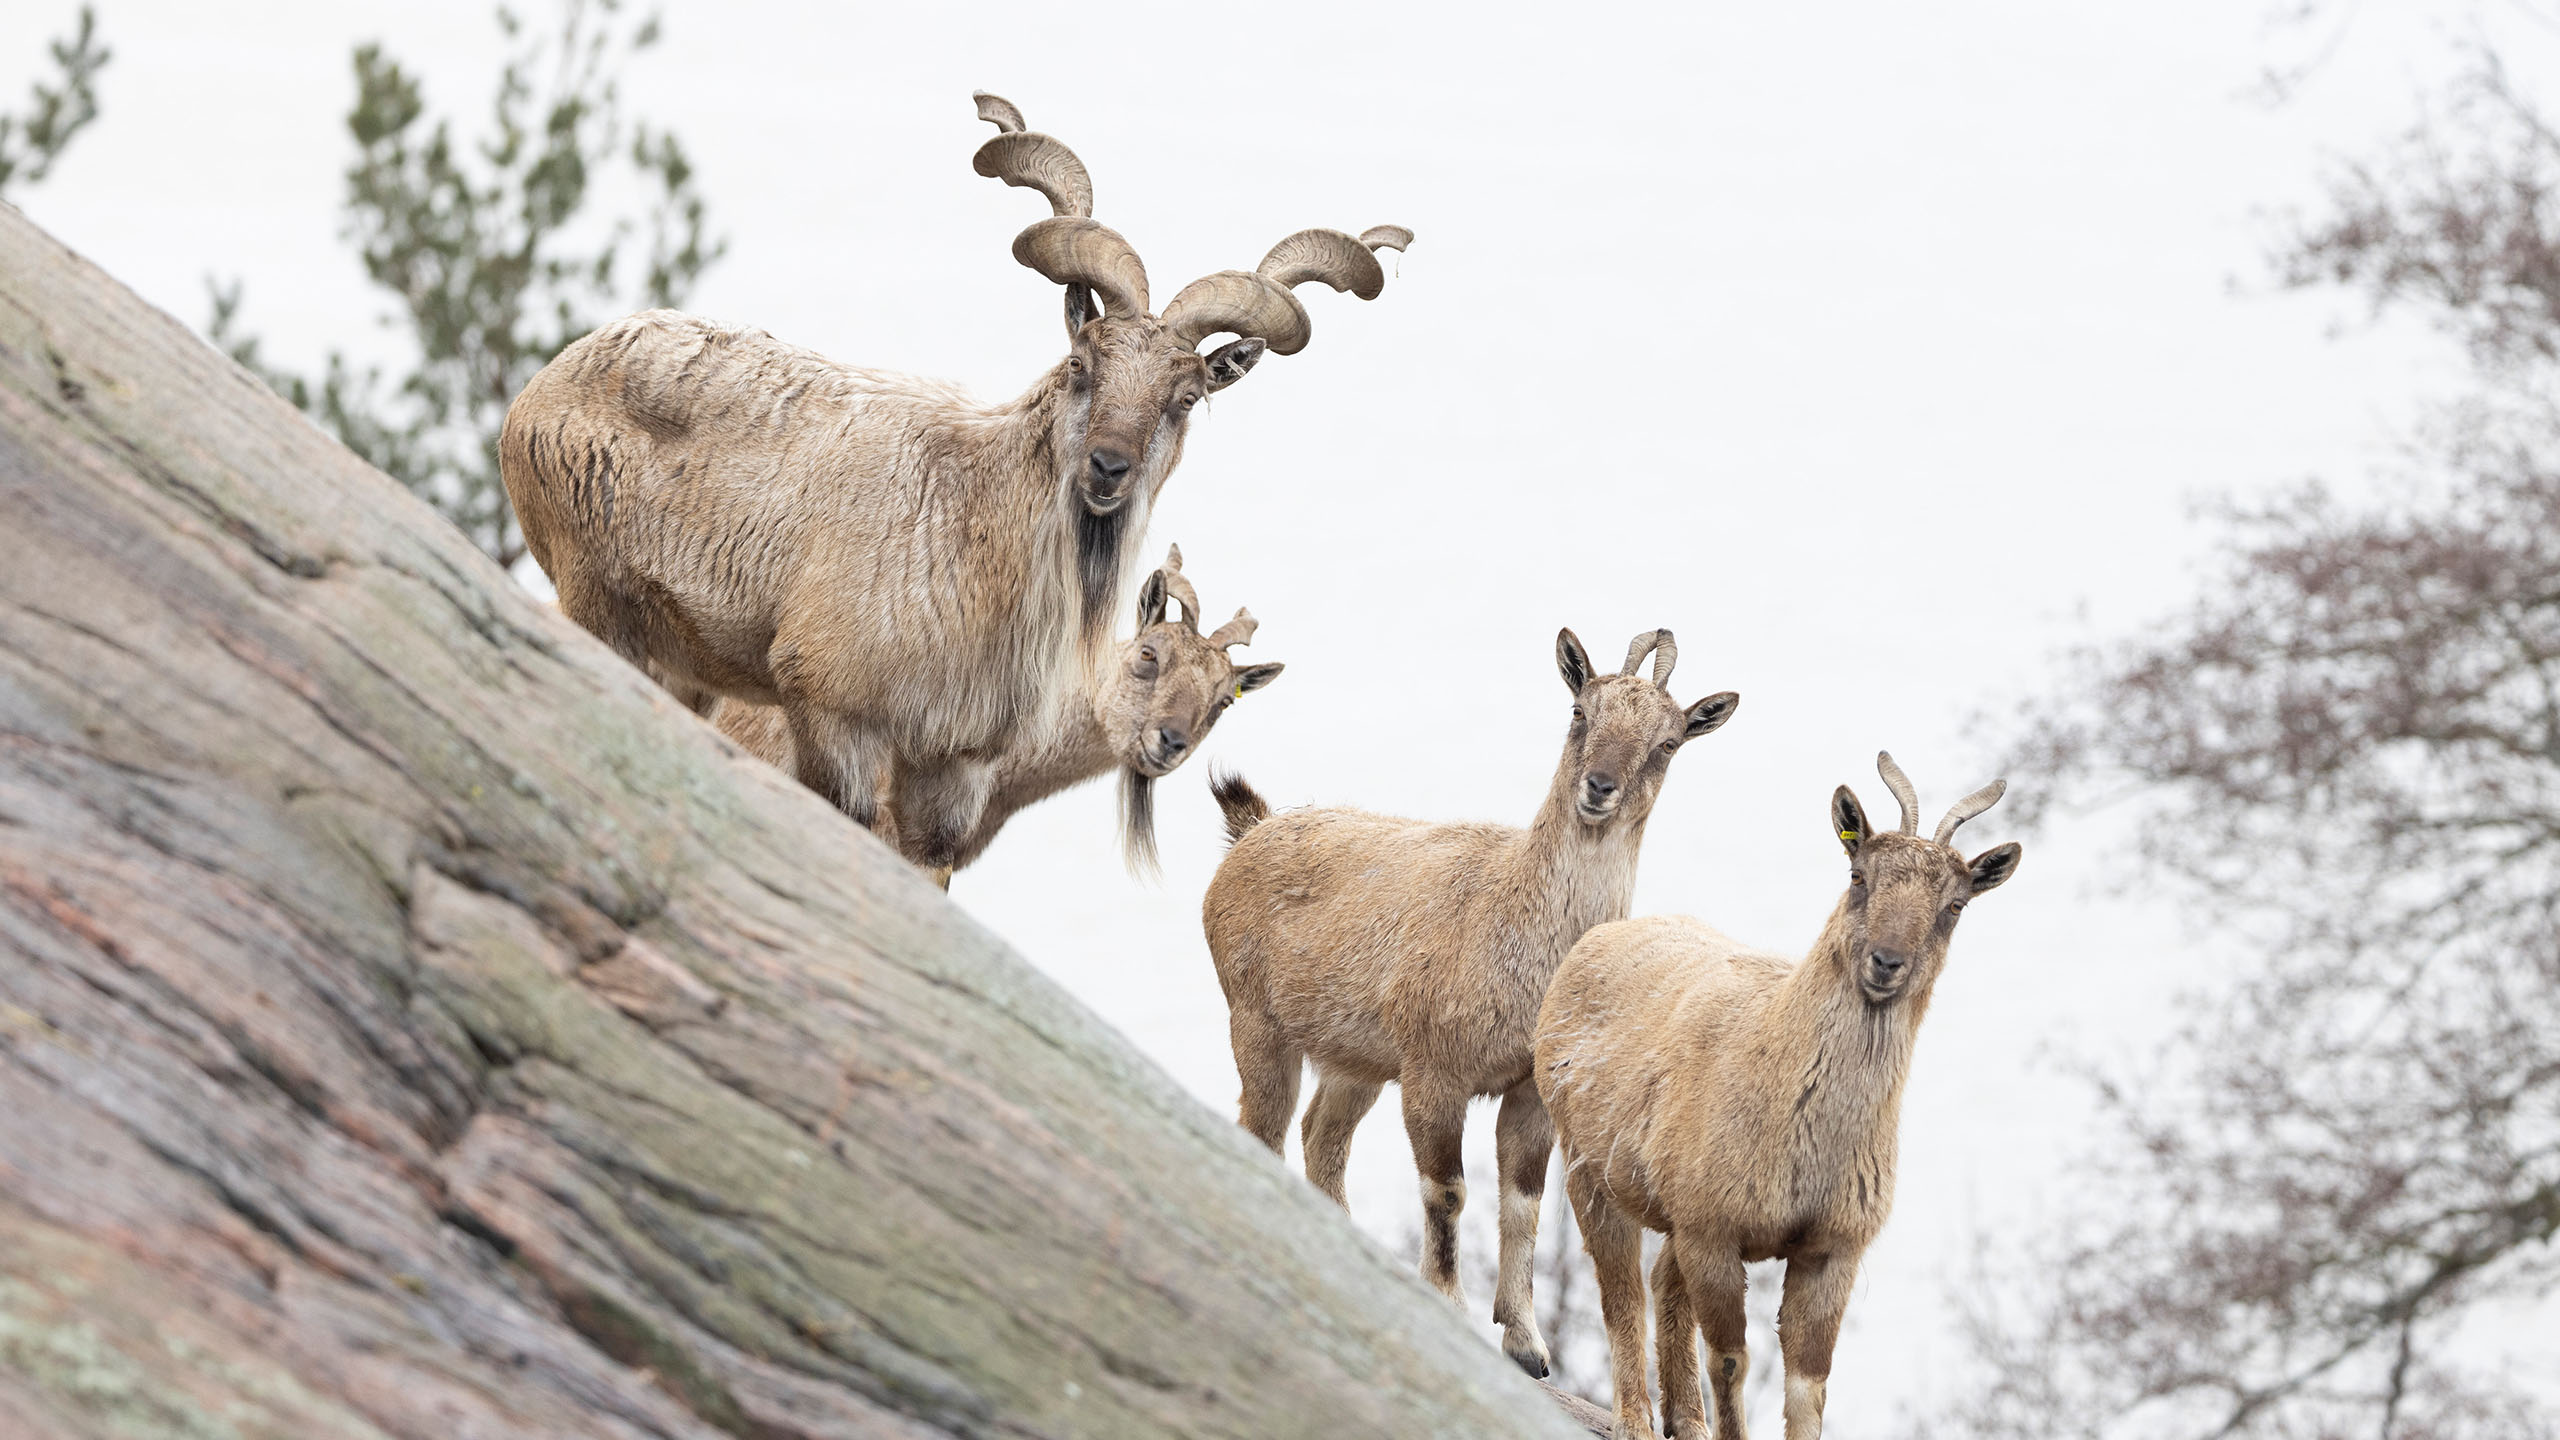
[
  {"x": 644, "y": 437},
  {"x": 1354, "y": 930},
  {"x": 1640, "y": 1007},
  {"x": 758, "y": 519}
]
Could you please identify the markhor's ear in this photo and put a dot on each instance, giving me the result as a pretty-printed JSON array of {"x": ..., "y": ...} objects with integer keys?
[
  {"x": 1709, "y": 715},
  {"x": 1572, "y": 662},
  {"x": 1992, "y": 868},
  {"x": 1254, "y": 677},
  {"x": 1848, "y": 821},
  {"x": 1151, "y": 600},
  {"x": 1229, "y": 362},
  {"x": 1080, "y": 309}
]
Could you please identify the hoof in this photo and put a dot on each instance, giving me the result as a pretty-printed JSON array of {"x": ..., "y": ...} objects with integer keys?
[{"x": 1527, "y": 1349}]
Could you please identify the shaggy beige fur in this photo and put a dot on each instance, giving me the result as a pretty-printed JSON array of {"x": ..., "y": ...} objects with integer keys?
[{"x": 917, "y": 581}]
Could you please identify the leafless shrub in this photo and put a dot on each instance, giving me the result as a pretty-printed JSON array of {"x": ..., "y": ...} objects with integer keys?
[{"x": 2347, "y": 757}]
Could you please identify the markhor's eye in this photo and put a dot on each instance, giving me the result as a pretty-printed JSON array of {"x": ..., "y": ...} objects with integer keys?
[
  {"x": 1670, "y": 745},
  {"x": 1857, "y": 877}
]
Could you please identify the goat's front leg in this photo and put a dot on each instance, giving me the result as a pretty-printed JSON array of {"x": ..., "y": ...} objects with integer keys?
[
  {"x": 838, "y": 759},
  {"x": 1711, "y": 1271},
  {"x": 939, "y": 803},
  {"x": 1331, "y": 1118},
  {"x": 1808, "y": 1326},
  {"x": 1435, "y": 1121},
  {"x": 1523, "y": 1138},
  {"x": 1616, "y": 1248}
]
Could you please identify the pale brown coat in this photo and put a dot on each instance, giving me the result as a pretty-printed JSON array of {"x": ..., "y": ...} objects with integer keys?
[
  {"x": 1385, "y": 949},
  {"x": 1747, "y": 1104}
]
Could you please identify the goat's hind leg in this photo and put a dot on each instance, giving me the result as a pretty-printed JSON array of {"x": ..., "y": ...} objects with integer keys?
[
  {"x": 1675, "y": 1348},
  {"x": 1332, "y": 1117},
  {"x": 1267, "y": 1065},
  {"x": 1523, "y": 1139},
  {"x": 1616, "y": 1248}
]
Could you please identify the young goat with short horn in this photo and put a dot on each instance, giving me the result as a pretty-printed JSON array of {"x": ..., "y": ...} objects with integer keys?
[
  {"x": 1746, "y": 1105},
  {"x": 1386, "y": 949},
  {"x": 911, "y": 578},
  {"x": 1144, "y": 709}
]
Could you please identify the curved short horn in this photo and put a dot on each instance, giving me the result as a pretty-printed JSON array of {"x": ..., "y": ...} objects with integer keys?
[
  {"x": 1387, "y": 237},
  {"x": 1640, "y": 647},
  {"x": 1074, "y": 250},
  {"x": 1243, "y": 303},
  {"x": 1665, "y": 655},
  {"x": 1039, "y": 162},
  {"x": 1180, "y": 588},
  {"x": 1238, "y": 631},
  {"x": 1970, "y": 806},
  {"x": 1900, "y": 785},
  {"x": 1338, "y": 260}
]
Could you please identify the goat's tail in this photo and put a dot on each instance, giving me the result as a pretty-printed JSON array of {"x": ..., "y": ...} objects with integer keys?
[{"x": 1244, "y": 809}]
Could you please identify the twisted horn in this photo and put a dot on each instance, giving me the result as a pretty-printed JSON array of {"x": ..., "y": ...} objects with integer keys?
[
  {"x": 999, "y": 112},
  {"x": 1238, "y": 631},
  {"x": 1665, "y": 655},
  {"x": 1242, "y": 303},
  {"x": 1970, "y": 806},
  {"x": 1900, "y": 785},
  {"x": 1338, "y": 260},
  {"x": 1257, "y": 304},
  {"x": 1073, "y": 250},
  {"x": 1042, "y": 163}
]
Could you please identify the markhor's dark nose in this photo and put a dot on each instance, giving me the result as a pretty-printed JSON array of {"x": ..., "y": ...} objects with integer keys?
[
  {"x": 1171, "y": 742},
  {"x": 1889, "y": 962},
  {"x": 1109, "y": 467},
  {"x": 1601, "y": 786}
]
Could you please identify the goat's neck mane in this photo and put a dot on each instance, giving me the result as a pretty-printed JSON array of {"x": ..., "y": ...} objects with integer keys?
[
  {"x": 1588, "y": 873},
  {"x": 1071, "y": 745},
  {"x": 1856, "y": 1054},
  {"x": 1083, "y": 554},
  {"x": 1067, "y": 746}
]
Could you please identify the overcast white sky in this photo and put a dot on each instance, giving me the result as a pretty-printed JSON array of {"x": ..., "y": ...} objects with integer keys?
[{"x": 1878, "y": 350}]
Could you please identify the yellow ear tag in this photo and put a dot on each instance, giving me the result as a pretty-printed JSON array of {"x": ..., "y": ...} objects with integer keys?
[
  {"x": 1239, "y": 691},
  {"x": 1851, "y": 836}
]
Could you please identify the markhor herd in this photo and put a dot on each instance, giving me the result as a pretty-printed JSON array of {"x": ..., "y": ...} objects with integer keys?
[{"x": 906, "y": 599}]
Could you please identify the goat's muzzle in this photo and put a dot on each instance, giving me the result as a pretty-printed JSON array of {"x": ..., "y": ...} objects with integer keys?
[
  {"x": 1882, "y": 975},
  {"x": 1106, "y": 481},
  {"x": 1599, "y": 798},
  {"x": 1164, "y": 749}
]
